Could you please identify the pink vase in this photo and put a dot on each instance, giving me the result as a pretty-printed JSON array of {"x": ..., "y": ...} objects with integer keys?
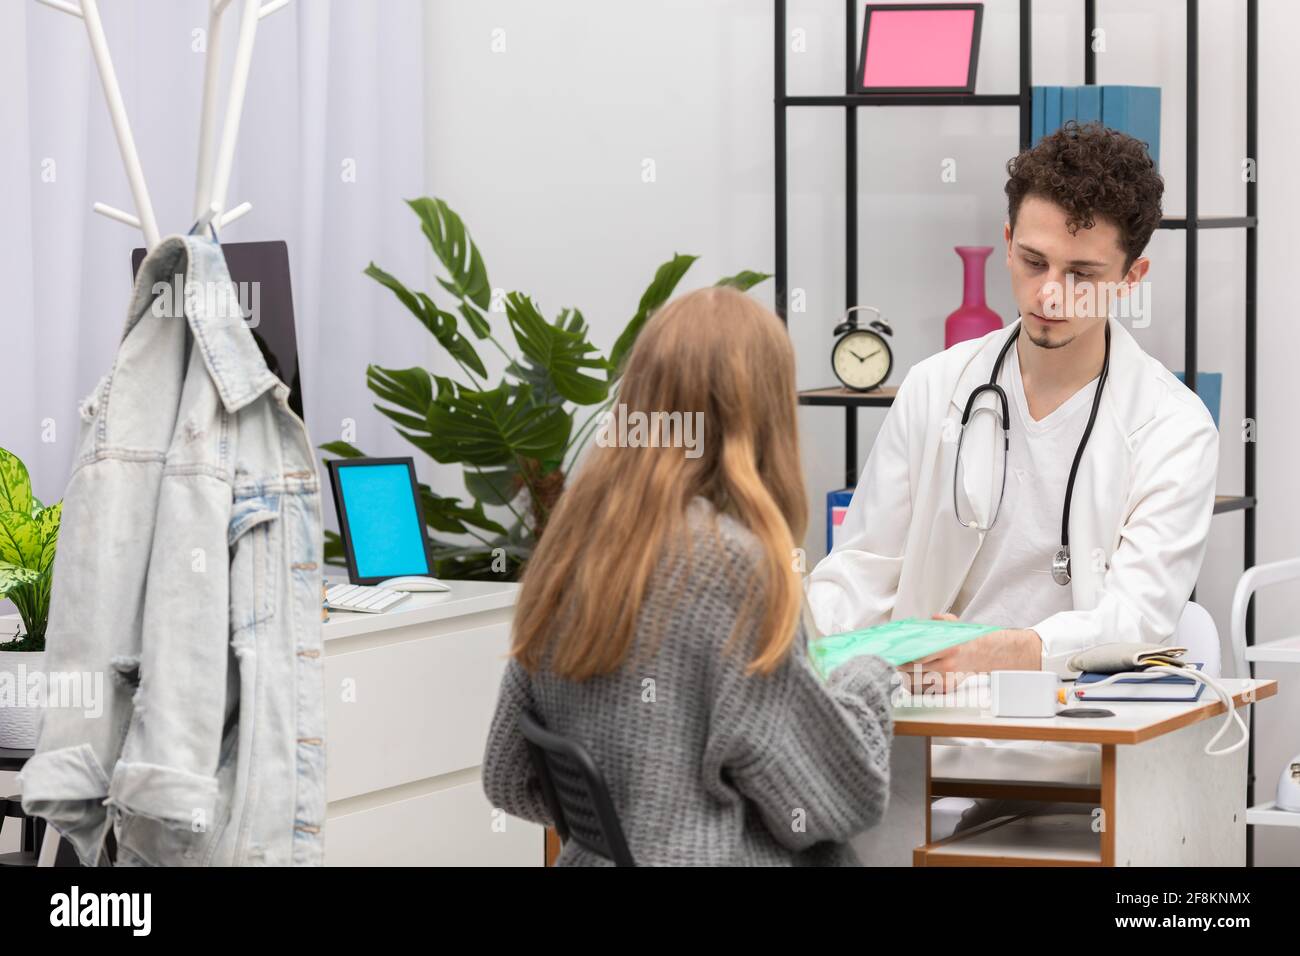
[{"x": 973, "y": 318}]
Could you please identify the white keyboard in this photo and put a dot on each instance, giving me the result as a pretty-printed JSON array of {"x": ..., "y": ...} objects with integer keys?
[{"x": 359, "y": 597}]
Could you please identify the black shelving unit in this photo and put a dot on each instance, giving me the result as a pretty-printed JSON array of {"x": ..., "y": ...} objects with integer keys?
[{"x": 1191, "y": 223}]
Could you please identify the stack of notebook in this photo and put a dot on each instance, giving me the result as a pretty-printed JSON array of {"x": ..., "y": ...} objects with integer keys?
[{"x": 1130, "y": 109}]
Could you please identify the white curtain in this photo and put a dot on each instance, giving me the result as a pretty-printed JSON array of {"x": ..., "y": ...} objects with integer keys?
[{"x": 332, "y": 141}]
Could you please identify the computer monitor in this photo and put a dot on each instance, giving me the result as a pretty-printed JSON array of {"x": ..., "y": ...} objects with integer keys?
[
  {"x": 380, "y": 519},
  {"x": 260, "y": 272}
]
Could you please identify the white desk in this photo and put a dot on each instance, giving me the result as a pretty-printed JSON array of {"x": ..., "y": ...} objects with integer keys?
[
  {"x": 1162, "y": 801},
  {"x": 409, "y": 697}
]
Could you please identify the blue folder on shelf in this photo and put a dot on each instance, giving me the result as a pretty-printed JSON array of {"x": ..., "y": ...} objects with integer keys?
[
  {"x": 1051, "y": 109},
  {"x": 1069, "y": 103},
  {"x": 1087, "y": 107},
  {"x": 837, "y": 505},
  {"x": 1134, "y": 110},
  {"x": 1209, "y": 386}
]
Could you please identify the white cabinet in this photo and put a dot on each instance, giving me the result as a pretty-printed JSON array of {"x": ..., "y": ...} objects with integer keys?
[{"x": 409, "y": 697}]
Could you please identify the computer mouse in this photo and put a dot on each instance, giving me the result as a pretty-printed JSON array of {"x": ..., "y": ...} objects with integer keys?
[{"x": 414, "y": 582}]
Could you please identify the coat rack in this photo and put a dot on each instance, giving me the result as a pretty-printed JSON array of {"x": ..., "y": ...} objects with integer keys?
[{"x": 216, "y": 157}]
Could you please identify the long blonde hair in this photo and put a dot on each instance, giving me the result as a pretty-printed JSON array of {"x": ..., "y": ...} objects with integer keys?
[{"x": 715, "y": 351}]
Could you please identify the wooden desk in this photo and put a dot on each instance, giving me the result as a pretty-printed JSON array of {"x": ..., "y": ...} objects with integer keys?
[{"x": 1161, "y": 800}]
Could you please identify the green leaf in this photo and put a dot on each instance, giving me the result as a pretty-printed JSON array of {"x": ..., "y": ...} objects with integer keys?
[
  {"x": 48, "y": 522},
  {"x": 494, "y": 486},
  {"x": 478, "y": 323},
  {"x": 744, "y": 280},
  {"x": 561, "y": 353},
  {"x": 494, "y": 427},
  {"x": 12, "y": 576},
  {"x": 334, "y": 553},
  {"x": 665, "y": 281},
  {"x": 443, "y": 326},
  {"x": 405, "y": 295},
  {"x": 455, "y": 250},
  {"x": 408, "y": 388},
  {"x": 342, "y": 449},
  {"x": 449, "y": 516},
  {"x": 440, "y": 323},
  {"x": 20, "y": 539},
  {"x": 15, "y": 485}
]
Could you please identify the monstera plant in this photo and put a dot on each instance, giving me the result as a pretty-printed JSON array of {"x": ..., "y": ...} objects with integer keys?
[
  {"x": 515, "y": 438},
  {"x": 29, "y": 533}
]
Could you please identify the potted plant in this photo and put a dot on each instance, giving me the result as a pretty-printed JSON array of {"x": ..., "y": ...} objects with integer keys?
[
  {"x": 517, "y": 439},
  {"x": 29, "y": 532}
]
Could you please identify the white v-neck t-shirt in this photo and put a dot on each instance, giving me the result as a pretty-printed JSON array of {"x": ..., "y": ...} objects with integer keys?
[{"x": 1010, "y": 581}]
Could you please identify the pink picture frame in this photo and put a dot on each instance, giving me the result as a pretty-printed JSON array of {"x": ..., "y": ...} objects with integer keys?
[{"x": 919, "y": 47}]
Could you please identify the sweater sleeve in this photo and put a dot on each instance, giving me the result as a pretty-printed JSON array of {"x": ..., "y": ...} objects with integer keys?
[
  {"x": 811, "y": 756},
  {"x": 509, "y": 780}
]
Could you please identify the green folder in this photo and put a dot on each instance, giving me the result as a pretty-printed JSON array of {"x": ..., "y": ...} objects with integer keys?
[{"x": 898, "y": 642}]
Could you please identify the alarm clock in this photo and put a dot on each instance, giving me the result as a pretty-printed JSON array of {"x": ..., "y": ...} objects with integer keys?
[{"x": 860, "y": 357}]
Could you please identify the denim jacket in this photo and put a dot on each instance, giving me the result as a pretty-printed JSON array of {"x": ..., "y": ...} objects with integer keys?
[{"x": 189, "y": 572}]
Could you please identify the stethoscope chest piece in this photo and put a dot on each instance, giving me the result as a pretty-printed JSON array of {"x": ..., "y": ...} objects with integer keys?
[{"x": 1061, "y": 566}]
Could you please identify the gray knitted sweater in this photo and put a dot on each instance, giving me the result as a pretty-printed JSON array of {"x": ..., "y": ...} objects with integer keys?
[{"x": 705, "y": 765}]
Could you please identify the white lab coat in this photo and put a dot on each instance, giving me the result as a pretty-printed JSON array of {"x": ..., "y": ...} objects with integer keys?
[{"x": 1140, "y": 516}]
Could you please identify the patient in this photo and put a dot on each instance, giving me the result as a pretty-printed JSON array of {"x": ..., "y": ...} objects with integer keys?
[{"x": 661, "y": 624}]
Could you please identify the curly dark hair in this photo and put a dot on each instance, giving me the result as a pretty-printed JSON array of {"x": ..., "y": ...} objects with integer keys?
[{"x": 1091, "y": 171}]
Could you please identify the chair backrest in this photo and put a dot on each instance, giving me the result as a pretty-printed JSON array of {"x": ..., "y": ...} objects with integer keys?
[
  {"x": 575, "y": 793},
  {"x": 1197, "y": 632},
  {"x": 1260, "y": 576}
]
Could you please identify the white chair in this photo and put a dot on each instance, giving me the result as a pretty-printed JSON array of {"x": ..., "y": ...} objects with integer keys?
[{"x": 1196, "y": 632}]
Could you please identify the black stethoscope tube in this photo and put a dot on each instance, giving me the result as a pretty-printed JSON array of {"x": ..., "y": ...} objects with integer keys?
[{"x": 1061, "y": 561}]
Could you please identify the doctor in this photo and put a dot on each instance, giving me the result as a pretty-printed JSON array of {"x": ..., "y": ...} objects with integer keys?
[{"x": 985, "y": 540}]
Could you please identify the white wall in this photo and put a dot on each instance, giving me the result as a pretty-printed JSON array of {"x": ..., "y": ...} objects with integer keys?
[{"x": 540, "y": 148}]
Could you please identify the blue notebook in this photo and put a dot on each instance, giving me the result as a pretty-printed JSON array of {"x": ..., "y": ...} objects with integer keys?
[
  {"x": 1134, "y": 110},
  {"x": 1209, "y": 386},
  {"x": 1158, "y": 687},
  {"x": 1051, "y": 109},
  {"x": 1087, "y": 108}
]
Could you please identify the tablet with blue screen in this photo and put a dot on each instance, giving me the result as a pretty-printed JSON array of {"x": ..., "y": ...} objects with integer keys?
[{"x": 380, "y": 519}]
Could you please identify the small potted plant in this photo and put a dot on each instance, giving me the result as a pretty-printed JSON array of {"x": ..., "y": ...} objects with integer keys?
[{"x": 29, "y": 532}]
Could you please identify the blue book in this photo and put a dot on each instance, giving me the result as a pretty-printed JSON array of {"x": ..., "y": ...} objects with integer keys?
[
  {"x": 1069, "y": 103},
  {"x": 1087, "y": 107},
  {"x": 1209, "y": 385},
  {"x": 1134, "y": 110},
  {"x": 1169, "y": 688},
  {"x": 1144, "y": 118},
  {"x": 837, "y": 503},
  {"x": 1051, "y": 110},
  {"x": 1114, "y": 107},
  {"x": 1038, "y": 103}
]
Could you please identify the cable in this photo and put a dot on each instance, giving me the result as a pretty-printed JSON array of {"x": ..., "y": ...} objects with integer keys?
[{"x": 1220, "y": 691}]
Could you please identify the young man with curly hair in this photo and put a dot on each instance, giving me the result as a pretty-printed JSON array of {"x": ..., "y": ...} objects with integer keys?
[{"x": 981, "y": 540}]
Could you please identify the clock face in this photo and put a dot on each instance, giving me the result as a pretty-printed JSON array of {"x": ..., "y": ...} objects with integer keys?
[{"x": 861, "y": 359}]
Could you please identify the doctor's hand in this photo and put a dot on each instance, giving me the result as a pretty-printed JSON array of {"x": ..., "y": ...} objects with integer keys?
[{"x": 1008, "y": 649}]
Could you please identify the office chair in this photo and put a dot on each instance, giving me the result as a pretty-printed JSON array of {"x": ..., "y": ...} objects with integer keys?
[
  {"x": 575, "y": 793},
  {"x": 1197, "y": 632}
]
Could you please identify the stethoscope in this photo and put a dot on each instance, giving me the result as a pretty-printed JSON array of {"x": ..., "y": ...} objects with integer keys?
[{"x": 1061, "y": 560}]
